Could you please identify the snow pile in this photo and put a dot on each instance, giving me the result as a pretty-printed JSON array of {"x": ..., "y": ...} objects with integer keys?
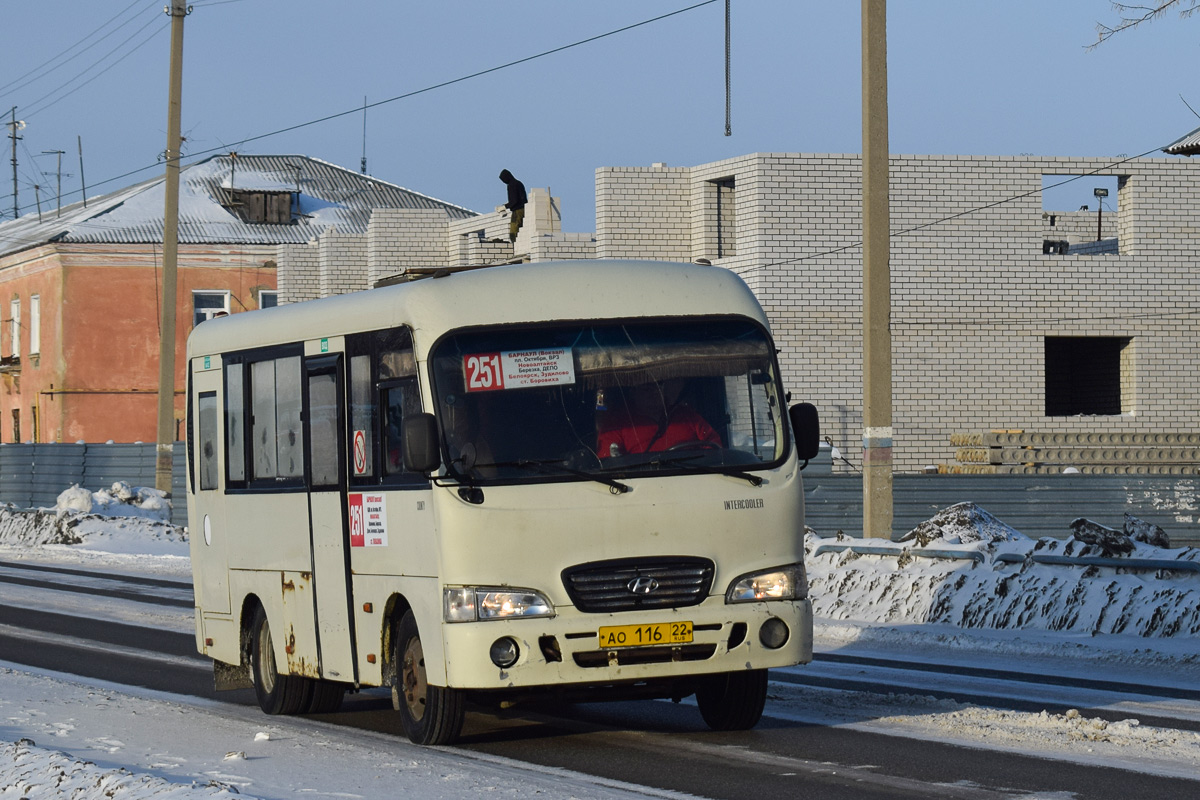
[
  {"x": 968, "y": 569},
  {"x": 122, "y": 500},
  {"x": 122, "y": 519},
  {"x": 32, "y": 773}
]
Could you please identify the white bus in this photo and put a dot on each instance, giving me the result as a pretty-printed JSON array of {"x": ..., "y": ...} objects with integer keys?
[{"x": 575, "y": 478}]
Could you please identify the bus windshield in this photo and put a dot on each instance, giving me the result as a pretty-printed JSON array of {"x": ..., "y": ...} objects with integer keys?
[{"x": 606, "y": 400}]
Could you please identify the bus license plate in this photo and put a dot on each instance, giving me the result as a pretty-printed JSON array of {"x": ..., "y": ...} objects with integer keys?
[{"x": 656, "y": 633}]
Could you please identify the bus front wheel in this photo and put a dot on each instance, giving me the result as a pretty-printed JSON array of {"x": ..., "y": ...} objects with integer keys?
[
  {"x": 430, "y": 715},
  {"x": 276, "y": 693},
  {"x": 733, "y": 701}
]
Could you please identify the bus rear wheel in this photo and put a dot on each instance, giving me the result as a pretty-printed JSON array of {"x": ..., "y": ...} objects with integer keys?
[
  {"x": 733, "y": 701},
  {"x": 276, "y": 693},
  {"x": 431, "y": 715}
]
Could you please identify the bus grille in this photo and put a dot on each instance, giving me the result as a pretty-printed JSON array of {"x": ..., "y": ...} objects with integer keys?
[{"x": 633, "y": 584}]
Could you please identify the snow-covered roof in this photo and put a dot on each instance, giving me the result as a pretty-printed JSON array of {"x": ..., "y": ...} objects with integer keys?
[{"x": 326, "y": 195}]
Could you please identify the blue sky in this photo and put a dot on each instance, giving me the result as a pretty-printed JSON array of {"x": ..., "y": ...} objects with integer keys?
[{"x": 965, "y": 77}]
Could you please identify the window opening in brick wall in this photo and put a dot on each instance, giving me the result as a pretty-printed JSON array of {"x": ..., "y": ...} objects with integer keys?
[
  {"x": 208, "y": 304},
  {"x": 1075, "y": 221},
  {"x": 268, "y": 298},
  {"x": 14, "y": 328},
  {"x": 726, "y": 217},
  {"x": 1089, "y": 375},
  {"x": 35, "y": 325}
]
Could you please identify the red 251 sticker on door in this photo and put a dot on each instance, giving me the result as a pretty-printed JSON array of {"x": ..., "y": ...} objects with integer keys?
[
  {"x": 518, "y": 369},
  {"x": 368, "y": 520}
]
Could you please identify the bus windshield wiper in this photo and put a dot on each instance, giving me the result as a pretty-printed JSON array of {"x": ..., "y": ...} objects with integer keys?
[
  {"x": 679, "y": 461},
  {"x": 556, "y": 465}
]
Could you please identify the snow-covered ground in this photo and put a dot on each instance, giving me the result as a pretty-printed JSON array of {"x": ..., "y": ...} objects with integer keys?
[{"x": 995, "y": 607}]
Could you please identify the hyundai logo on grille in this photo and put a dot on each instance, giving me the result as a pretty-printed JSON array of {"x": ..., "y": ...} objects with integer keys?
[{"x": 642, "y": 585}]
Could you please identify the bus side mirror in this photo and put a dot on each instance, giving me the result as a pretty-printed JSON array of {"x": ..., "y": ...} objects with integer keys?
[
  {"x": 806, "y": 428},
  {"x": 420, "y": 448}
]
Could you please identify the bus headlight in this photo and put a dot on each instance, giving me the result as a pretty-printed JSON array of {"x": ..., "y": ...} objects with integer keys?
[
  {"x": 781, "y": 583},
  {"x": 471, "y": 603}
]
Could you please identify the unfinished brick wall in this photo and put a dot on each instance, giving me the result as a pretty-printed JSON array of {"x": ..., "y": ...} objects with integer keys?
[{"x": 973, "y": 296}]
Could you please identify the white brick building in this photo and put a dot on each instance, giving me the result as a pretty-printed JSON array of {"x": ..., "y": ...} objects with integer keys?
[{"x": 989, "y": 332}]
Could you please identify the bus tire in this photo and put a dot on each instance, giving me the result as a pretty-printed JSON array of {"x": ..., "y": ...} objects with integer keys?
[
  {"x": 276, "y": 693},
  {"x": 430, "y": 715},
  {"x": 733, "y": 701},
  {"x": 326, "y": 697}
]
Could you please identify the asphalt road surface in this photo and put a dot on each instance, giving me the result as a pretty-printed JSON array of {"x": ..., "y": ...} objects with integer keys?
[{"x": 650, "y": 743}]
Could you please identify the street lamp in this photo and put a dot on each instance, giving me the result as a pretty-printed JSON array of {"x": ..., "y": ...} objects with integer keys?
[{"x": 1099, "y": 194}]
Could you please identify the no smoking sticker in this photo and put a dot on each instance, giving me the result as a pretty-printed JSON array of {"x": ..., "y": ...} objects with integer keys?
[{"x": 360, "y": 452}]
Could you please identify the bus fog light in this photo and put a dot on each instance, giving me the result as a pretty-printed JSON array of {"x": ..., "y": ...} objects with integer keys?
[
  {"x": 505, "y": 652},
  {"x": 773, "y": 634}
]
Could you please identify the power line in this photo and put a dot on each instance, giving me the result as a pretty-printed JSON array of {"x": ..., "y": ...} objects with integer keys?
[
  {"x": 37, "y": 109},
  {"x": 15, "y": 84},
  {"x": 949, "y": 217},
  {"x": 443, "y": 84},
  {"x": 451, "y": 82}
]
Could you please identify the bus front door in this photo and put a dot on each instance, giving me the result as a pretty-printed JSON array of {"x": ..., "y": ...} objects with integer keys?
[{"x": 328, "y": 528}]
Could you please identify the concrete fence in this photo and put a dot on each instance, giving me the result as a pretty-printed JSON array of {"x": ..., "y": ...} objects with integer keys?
[
  {"x": 32, "y": 476},
  {"x": 1036, "y": 505}
]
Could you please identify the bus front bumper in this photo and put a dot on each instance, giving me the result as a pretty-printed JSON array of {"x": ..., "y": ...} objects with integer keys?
[{"x": 566, "y": 650}]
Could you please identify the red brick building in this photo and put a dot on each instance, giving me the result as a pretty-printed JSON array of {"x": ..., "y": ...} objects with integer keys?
[{"x": 80, "y": 293}]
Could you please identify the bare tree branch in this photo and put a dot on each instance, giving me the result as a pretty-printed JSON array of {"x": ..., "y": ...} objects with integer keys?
[{"x": 1133, "y": 15}]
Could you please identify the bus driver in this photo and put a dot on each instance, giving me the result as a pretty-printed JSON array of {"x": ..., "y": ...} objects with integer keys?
[{"x": 653, "y": 418}]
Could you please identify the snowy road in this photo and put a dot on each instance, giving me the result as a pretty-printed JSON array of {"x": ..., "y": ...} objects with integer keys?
[{"x": 886, "y": 721}]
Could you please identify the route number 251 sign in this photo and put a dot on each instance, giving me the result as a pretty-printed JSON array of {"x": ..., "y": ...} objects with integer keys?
[{"x": 518, "y": 369}]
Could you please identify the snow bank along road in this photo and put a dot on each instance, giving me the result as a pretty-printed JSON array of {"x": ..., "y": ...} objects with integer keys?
[{"x": 864, "y": 720}]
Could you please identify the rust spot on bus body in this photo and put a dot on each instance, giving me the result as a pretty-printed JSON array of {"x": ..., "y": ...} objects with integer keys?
[{"x": 298, "y": 665}]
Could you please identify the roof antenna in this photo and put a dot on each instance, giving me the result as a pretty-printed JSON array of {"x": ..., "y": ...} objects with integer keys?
[
  {"x": 1185, "y": 102},
  {"x": 363, "y": 163}
]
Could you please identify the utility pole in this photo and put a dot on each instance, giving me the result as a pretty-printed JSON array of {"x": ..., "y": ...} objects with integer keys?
[
  {"x": 877, "y": 292},
  {"x": 58, "y": 189},
  {"x": 82, "y": 182},
  {"x": 14, "y": 126},
  {"x": 165, "y": 442}
]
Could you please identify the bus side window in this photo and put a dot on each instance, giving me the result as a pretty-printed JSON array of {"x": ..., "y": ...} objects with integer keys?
[
  {"x": 277, "y": 436},
  {"x": 362, "y": 417},
  {"x": 399, "y": 399},
  {"x": 207, "y": 408},
  {"x": 323, "y": 429},
  {"x": 235, "y": 423}
]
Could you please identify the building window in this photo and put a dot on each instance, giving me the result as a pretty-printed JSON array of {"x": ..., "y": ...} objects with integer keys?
[
  {"x": 16, "y": 425},
  {"x": 268, "y": 298},
  {"x": 1080, "y": 214},
  {"x": 726, "y": 218},
  {"x": 262, "y": 207},
  {"x": 208, "y": 304},
  {"x": 35, "y": 325},
  {"x": 1089, "y": 376},
  {"x": 14, "y": 328}
]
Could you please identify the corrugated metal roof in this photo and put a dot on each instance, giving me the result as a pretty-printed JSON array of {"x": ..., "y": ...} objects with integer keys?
[
  {"x": 327, "y": 195},
  {"x": 1189, "y": 145}
]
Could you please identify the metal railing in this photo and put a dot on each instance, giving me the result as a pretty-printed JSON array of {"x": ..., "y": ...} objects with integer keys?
[{"x": 1138, "y": 564}]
